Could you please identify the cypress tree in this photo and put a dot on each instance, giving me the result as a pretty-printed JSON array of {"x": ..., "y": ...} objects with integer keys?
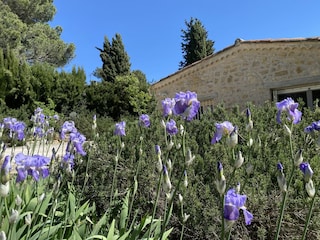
[
  {"x": 195, "y": 45},
  {"x": 115, "y": 60}
]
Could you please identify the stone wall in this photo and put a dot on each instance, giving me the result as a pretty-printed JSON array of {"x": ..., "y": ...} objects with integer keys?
[{"x": 248, "y": 71}]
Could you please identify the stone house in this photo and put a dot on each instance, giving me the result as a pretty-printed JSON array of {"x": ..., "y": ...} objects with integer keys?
[{"x": 252, "y": 71}]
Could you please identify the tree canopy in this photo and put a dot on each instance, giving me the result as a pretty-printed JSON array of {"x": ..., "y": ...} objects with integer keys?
[
  {"x": 195, "y": 43},
  {"x": 24, "y": 28}
]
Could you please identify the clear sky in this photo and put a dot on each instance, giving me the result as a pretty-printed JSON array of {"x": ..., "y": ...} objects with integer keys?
[{"x": 151, "y": 30}]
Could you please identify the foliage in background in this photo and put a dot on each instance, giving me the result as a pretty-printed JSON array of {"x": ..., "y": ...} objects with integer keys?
[{"x": 23, "y": 84}]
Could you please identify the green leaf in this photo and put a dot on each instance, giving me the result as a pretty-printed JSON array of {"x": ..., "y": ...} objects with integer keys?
[
  {"x": 32, "y": 204},
  {"x": 27, "y": 193},
  {"x": 72, "y": 205},
  {"x": 45, "y": 203},
  {"x": 75, "y": 235},
  {"x": 144, "y": 222},
  {"x": 124, "y": 236},
  {"x": 97, "y": 237},
  {"x": 166, "y": 234},
  {"x": 111, "y": 231},
  {"x": 83, "y": 210},
  {"x": 45, "y": 233},
  {"x": 97, "y": 226},
  {"x": 124, "y": 213}
]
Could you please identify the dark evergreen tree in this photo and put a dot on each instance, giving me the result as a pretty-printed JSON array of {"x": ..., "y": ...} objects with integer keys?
[
  {"x": 195, "y": 45},
  {"x": 115, "y": 60},
  {"x": 14, "y": 80}
]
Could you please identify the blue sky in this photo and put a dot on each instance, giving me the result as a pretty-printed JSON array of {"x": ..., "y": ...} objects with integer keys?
[{"x": 151, "y": 30}]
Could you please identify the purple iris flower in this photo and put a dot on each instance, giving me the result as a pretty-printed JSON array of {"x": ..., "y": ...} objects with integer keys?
[
  {"x": 220, "y": 167},
  {"x": 39, "y": 119},
  {"x": 167, "y": 106},
  {"x": 290, "y": 107},
  {"x": 77, "y": 140},
  {"x": 232, "y": 205},
  {"x": 68, "y": 159},
  {"x": 171, "y": 127},
  {"x": 120, "y": 129},
  {"x": 38, "y": 131},
  {"x": 5, "y": 170},
  {"x": 67, "y": 127},
  {"x": 315, "y": 126},
  {"x": 158, "y": 150},
  {"x": 224, "y": 128},
  {"x": 186, "y": 105},
  {"x": 279, "y": 166},
  {"x": 16, "y": 127},
  {"x": 307, "y": 171},
  {"x": 144, "y": 120},
  {"x": 56, "y": 117},
  {"x": 6, "y": 166},
  {"x": 34, "y": 166},
  {"x": 248, "y": 113}
]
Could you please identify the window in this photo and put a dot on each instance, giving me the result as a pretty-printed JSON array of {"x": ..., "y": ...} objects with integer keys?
[{"x": 307, "y": 94}]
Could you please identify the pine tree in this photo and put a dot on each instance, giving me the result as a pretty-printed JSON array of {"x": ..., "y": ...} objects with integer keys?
[
  {"x": 195, "y": 45},
  {"x": 24, "y": 27}
]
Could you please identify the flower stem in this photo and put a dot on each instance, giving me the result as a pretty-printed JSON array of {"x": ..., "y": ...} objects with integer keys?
[
  {"x": 285, "y": 194},
  {"x": 309, "y": 216},
  {"x": 222, "y": 216},
  {"x": 155, "y": 204}
]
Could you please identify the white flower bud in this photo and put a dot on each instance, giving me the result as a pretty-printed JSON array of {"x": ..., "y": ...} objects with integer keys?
[
  {"x": 178, "y": 146},
  {"x": 163, "y": 124},
  {"x": 181, "y": 130},
  {"x": 14, "y": 216},
  {"x": 135, "y": 186},
  {"x": 287, "y": 129},
  {"x": 41, "y": 197},
  {"x": 18, "y": 200},
  {"x": 282, "y": 182},
  {"x": 232, "y": 139},
  {"x": 3, "y": 235},
  {"x": 159, "y": 165},
  {"x": 4, "y": 189},
  {"x": 180, "y": 198},
  {"x": 249, "y": 126},
  {"x": 221, "y": 185},
  {"x": 185, "y": 180},
  {"x": 250, "y": 142},
  {"x": 169, "y": 195},
  {"x": 189, "y": 157},
  {"x": 310, "y": 188},
  {"x": 298, "y": 158},
  {"x": 185, "y": 217},
  {"x": 28, "y": 219},
  {"x": 239, "y": 161},
  {"x": 168, "y": 185},
  {"x": 169, "y": 164},
  {"x": 170, "y": 145}
]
